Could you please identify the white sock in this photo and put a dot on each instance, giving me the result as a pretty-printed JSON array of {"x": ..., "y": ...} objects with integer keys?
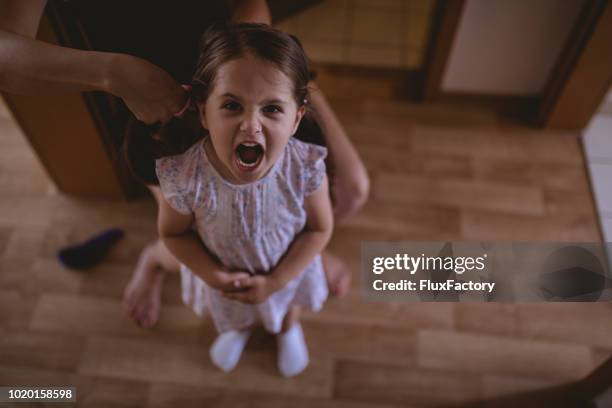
[
  {"x": 292, "y": 351},
  {"x": 227, "y": 348}
]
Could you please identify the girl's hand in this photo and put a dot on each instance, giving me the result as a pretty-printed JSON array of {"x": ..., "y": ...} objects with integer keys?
[
  {"x": 148, "y": 91},
  {"x": 227, "y": 282},
  {"x": 254, "y": 289}
]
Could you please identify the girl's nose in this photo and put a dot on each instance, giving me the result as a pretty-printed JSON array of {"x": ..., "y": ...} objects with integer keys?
[{"x": 250, "y": 125}]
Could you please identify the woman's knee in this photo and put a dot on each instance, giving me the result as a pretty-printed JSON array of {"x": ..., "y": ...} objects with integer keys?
[{"x": 351, "y": 193}]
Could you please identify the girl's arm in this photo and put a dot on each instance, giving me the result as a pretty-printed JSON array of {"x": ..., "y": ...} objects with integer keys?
[
  {"x": 309, "y": 243},
  {"x": 176, "y": 233}
]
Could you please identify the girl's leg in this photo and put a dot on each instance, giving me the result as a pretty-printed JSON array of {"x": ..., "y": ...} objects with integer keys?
[
  {"x": 142, "y": 295},
  {"x": 225, "y": 352},
  {"x": 292, "y": 351},
  {"x": 292, "y": 317},
  {"x": 350, "y": 188}
]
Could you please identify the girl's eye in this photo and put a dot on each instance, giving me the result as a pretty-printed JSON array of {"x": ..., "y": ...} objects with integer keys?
[
  {"x": 231, "y": 106},
  {"x": 272, "y": 109}
]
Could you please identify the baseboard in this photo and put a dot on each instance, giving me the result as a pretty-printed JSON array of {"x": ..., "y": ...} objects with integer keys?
[{"x": 520, "y": 107}]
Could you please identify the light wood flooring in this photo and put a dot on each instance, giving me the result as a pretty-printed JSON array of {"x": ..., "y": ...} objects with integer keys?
[{"x": 439, "y": 172}]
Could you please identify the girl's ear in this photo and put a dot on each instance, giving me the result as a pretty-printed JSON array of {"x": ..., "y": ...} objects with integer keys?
[
  {"x": 202, "y": 112},
  {"x": 298, "y": 117}
]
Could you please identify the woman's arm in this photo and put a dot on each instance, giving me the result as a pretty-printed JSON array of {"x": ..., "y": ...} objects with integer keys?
[
  {"x": 29, "y": 66},
  {"x": 175, "y": 232},
  {"x": 309, "y": 243},
  {"x": 32, "y": 67},
  {"x": 351, "y": 182},
  {"x": 250, "y": 11}
]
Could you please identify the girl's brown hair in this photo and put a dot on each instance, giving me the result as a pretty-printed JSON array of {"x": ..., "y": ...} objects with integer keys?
[{"x": 221, "y": 43}]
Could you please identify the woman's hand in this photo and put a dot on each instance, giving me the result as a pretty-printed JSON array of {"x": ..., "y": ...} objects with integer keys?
[
  {"x": 148, "y": 91},
  {"x": 254, "y": 289}
]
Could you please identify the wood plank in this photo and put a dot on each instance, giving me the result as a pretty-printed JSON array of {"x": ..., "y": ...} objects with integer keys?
[
  {"x": 15, "y": 274},
  {"x": 382, "y": 384},
  {"x": 34, "y": 276},
  {"x": 109, "y": 280},
  {"x": 26, "y": 211},
  {"x": 352, "y": 309},
  {"x": 415, "y": 219},
  {"x": 495, "y": 226},
  {"x": 503, "y": 385},
  {"x": 582, "y": 323},
  {"x": 476, "y": 195},
  {"x": 572, "y": 201},
  {"x": 62, "y": 313},
  {"x": 544, "y": 147},
  {"x": 25, "y": 242},
  {"x": 16, "y": 309},
  {"x": 92, "y": 392},
  {"x": 185, "y": 396},
  {"x": 26, "y": 348},
  {"x": 489, "y": 318},
  {"x": 562, "y": 176},
  {"x": 385, "y": 160},
  {"x": 5, "y": 236},
  {"x": 477, "y": 353},
  {"x": 162, "y": 362},
  {"x": 358, "y": 342}
]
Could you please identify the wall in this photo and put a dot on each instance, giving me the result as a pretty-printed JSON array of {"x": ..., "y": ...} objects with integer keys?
[{"x": 508, "y": 46}]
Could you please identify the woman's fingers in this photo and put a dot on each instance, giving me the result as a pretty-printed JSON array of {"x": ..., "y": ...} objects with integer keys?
[
  {"x": 150, "y": 93},
  {"x": 245, "y": 283},
  {"x": 241, "y": 284},
  {"x": 229, "y": 281},
  {"x": 240, "y": 275}
]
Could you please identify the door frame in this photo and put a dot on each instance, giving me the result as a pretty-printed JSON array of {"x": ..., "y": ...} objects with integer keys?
[{"x": 578, "y": 82}]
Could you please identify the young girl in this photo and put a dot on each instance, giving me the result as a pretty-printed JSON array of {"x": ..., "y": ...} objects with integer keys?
[{"x": 257, "y": 198}]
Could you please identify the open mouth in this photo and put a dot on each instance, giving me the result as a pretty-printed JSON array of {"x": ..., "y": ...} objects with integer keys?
[{"x": 249, "y": 155}]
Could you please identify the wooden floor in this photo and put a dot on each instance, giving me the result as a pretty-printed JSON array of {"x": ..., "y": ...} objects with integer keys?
[{"x": 439, "y": 172}]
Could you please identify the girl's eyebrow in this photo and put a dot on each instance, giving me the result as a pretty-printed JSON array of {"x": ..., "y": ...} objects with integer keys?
[
  {"x": 274, "y": 101},
  {"x": 269, "y": 101},
  {"x": 230, "y": 95}
]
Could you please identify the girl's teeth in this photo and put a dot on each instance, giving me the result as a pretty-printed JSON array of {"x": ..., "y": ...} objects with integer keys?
[{"x": 247, "y": 164}]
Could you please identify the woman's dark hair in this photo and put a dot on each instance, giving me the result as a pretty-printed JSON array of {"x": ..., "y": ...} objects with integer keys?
[{"x": 221, "y": 43}]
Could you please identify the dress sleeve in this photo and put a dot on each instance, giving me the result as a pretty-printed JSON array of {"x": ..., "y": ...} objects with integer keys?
[
  {"x": 313, "y": 162},
  {"x": 179, "y": 179}
]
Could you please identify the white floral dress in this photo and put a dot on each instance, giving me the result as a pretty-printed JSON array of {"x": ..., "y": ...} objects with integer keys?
[{"x": 247, "y": 227}]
